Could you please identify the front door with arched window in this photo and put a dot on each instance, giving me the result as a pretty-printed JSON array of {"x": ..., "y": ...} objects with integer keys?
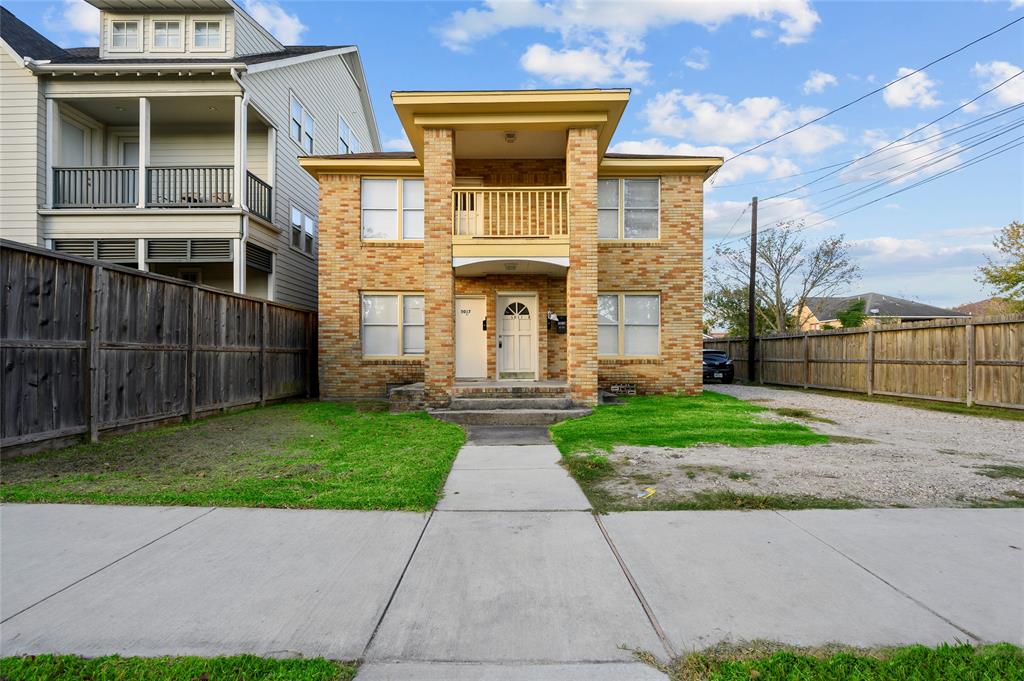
[{"x": 517, "y": 336}]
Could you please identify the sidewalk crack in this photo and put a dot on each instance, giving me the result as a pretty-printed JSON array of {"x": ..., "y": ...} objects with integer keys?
[
  {"x": 113, "y": 562},
  {"x": 883, "y": 580}
]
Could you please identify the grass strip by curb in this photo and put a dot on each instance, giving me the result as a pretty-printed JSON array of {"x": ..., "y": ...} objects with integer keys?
[{"x": 115, "y": 668}]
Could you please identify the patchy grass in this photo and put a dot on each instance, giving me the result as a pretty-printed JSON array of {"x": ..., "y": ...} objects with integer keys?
[
  {"x": 724, "y": 500},
  {"x": 1002, "y": 471},
  {"x": 292, "y": 455},
  {"x": 676, "y": 421},
  {"x": 849, "y": 440},
  {"x": 773, "y": 662},
  {"x": 932, "y": 405},
  {"x": 114, "y": 668},
  {"x": 802, "y": 414}
]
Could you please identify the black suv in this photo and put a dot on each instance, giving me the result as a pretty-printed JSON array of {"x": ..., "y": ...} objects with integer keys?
[{"x": 717, "y": 366}]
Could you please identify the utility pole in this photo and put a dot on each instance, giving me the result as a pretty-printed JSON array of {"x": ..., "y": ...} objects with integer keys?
[{"x": 751, "y": 298}]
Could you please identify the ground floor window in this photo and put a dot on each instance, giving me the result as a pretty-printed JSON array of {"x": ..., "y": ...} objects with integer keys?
[
  {"x": 628, "y": 324},
  {"x": 392, "y": 324}
]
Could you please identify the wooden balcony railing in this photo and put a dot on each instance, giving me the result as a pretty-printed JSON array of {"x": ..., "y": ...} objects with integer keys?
[
  {"x": 510, "y": 212},
  {"x": 95, "y": 187},
  {"x": 258, "y": 196},
  {"x": 190, "y": 186}
]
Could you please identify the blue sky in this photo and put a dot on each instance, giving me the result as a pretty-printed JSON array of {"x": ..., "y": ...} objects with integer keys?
[{"x": 716, "y": 77}]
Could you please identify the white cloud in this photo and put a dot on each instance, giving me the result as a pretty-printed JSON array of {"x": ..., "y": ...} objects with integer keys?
[
  {"x": 917, "y": 90},
  {"x": 720, "y": 216},
  {"x": 583, "y": 65},
  {"x": 818, "y": 81},
  {"x": 981, "y": 230},
  {"x": 287, "y": 28},
  {"x": 764, "y": 33},
  {"x": 995, "y": 72},
  {"x": 76, "y": 19},
  {"x": 713, "y": 119},
  {"x": 886, "y": 250},
  {"x": 903, "y": 161},
  {"x": 600, "y": 38},
  {"x": 400, "y": 143},
  {"x": 699, "y": 59},
  {"x": 749, "y": 164}
]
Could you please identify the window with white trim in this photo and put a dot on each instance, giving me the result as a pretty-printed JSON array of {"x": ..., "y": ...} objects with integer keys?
[
  {"x": 207, "y": 35},
  {"x": 628, "y": 324},
  {"x": 125, "y": 35},
  {"x": 628, "y": 208},
  {"x": 392, "y": 209},
  {"x": 301, "y": 125},
  {"x": 303, "y": 231},
  {"x": 347, "y": 142},
  {"x": 392, "y": 324},
  {"x": 166, "y": 34}
]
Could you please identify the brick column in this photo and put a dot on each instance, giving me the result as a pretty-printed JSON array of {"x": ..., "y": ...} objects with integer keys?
[
  {"x": 439, "y": 280},
  {"x": 581, "y": 283}
]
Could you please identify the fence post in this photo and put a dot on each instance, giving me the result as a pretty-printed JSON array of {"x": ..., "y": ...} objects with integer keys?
[
  {"x": 95, "y": 315},
  {"x": 971, "y": 360},
  {"x": 193, "y": 341},
  {"x": 871, "y": 362},
  {"x": 807, "y": 362},
  {"x": 263, "y": 353},
  {"x": 309, "y": 354}
]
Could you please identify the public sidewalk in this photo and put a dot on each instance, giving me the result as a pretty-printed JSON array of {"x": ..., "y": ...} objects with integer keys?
[{"x": 512, "y": 577}]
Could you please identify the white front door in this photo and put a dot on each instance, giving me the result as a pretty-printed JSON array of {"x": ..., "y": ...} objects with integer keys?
[
  {"x": 517, "y": 336},
  {"x": 470, "y": 338}
]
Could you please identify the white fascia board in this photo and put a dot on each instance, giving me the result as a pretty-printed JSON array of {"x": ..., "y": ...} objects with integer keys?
[
  {"x": 128, "y": 68},
  {"x": 549, "y": 260},
  {"x": 291, "y": 61}
]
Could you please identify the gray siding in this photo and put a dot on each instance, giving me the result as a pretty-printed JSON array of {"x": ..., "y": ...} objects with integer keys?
[
  {"x": 250, "y": 38},
  {"x": 22, "y": 149}
]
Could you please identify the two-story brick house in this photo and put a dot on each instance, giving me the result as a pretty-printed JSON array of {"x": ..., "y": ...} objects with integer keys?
[
  {"x": 510, "y": 246},
  {"x": 172, "y": 146}
]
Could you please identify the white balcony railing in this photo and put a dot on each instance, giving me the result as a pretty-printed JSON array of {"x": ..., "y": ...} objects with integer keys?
[{"x": 510, "y": 212}]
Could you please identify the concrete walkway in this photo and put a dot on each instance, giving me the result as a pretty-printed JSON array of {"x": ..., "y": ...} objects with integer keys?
[{"x": 510, "y": 578}]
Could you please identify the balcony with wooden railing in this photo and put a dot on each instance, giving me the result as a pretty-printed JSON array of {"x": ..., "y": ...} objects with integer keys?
[{"x": 530, "y": 213}]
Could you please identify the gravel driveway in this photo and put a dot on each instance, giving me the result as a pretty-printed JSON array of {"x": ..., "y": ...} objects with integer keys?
[{"x": 884, "y": 455}]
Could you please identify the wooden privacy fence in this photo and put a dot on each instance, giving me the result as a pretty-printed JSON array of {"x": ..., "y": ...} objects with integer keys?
[
  {"x": 974, "y": 361},
  {"x": 88, "y": 346}
]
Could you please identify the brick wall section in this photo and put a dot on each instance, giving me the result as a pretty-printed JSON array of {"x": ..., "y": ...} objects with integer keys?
[
  {"x": 550, "y": 296},
  {"x": 347, "y": 267},
  {"x": 438, "y": 280},
  {"x": 672, "y": 266},
  {"x": 529, "y": 172},
  {"x": 581, "y": 289}
]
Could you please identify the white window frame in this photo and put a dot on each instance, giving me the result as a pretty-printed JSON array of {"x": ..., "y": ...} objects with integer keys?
[
  {"x": 180, "y": 47},
  {"x": 400, "y": 209},
  {"x": 303, "y": 115},
  {"x": 139, "y": 27},
  {"x": 621, "y": 323},
  {"x": 621, "y": 210},
  {"x": 400, "y": 351},
  {"x": 87, "y": 130},
  {"x": 352, "y": 143},
  {"x": 220, "y": 20},
  {"x": 307, "y": 241}
]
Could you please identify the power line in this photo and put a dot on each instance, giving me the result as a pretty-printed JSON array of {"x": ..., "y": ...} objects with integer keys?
[
  {"x": 736, "y": 221},
  {"x": 873, "y": 92}
]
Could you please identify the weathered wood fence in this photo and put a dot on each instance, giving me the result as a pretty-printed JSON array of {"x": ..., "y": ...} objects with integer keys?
[
  {"x": 88, "y": 346},
  {"x": 974, "y": 361}
]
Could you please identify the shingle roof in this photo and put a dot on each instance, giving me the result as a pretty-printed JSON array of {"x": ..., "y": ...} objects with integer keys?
[
  {"x": 28, "y": 42},
  {"x": 877, "y": 305},
  {"x": 25, "y": 40}
]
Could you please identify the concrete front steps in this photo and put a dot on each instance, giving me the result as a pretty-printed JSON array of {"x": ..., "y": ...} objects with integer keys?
[{"x": 494, "y": 403}]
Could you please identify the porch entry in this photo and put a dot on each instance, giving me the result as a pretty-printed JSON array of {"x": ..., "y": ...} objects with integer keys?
[
  {"x": 470, "y": 337},
  {"x": 517, "y": 336}
]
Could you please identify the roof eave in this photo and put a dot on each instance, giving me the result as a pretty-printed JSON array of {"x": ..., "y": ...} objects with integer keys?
[{"x": 318, "y": 165}]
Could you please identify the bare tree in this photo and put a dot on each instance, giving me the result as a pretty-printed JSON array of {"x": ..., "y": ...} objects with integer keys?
[{"x": 789, "y": 271}]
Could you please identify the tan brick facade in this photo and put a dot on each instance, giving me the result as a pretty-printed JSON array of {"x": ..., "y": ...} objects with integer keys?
[
  {"x": 581, "y": 287},
  {"x": 439, "y": 301}
]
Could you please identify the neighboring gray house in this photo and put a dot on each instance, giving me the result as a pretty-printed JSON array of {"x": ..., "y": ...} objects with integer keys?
[
  {"x": 172, "y": 147},
  {"x": 824, "y": 312}
]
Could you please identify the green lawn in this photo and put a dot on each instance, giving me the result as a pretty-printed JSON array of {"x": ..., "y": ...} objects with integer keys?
[
  {"x": 1001, "y": 662},
  {"x": 671, "y": 421},
  {"x": 292, "y": 455},
  {"x": 114, "y": 668}
]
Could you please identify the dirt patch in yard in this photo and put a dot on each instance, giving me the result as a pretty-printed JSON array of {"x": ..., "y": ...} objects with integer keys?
[{"x": 879, "y": 455}]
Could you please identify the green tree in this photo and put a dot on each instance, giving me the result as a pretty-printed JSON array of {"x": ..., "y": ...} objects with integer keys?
[
  {"x": 853, "y": 315},
  {"x": 726, "y": 308},
  {"x": 1006, "y": 272}
]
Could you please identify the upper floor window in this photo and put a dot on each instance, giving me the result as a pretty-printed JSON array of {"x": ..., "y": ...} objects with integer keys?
[
  {"x": 628, "y": 208},
  {"x": 166, "y": 34},
  {"x": 207, "y": 35},
  {"x": 124, "y": 35},
  {"x": 392, "y": 209},
  {"x": 303, "y": 236},
  {"x": 628, "y": 325},
  {"x": 301, "y": 125},
  {"x": 347, "y": 142}
]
